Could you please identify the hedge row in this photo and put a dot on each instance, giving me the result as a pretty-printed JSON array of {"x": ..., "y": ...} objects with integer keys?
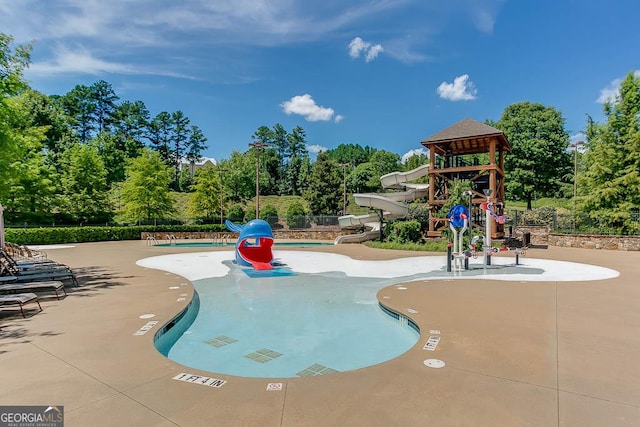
[{"x": 47, "y": 236}]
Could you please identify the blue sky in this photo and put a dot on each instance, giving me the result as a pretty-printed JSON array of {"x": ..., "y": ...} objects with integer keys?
[{"x": 384, "y": 73}]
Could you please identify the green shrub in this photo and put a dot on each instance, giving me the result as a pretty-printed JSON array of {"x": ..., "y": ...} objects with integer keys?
[
  {"x": 406, "y": 232},
  {"x": 235, "y": 213},
  {"x": 297, "y": 216},
  {"x": 48, "y": 236},
  {"x": 420, "y": 213},
  {"x": 270, "y": 214}
]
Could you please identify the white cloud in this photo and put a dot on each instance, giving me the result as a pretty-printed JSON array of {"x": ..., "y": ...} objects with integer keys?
[
  {"x": 462, "y": 89},
  {"x": 609, "y": 93},
  {"x": 78, "y": 61},
  {"x": 82, "y": 61},
  {"x": 358, "y": 46},
  {"x": 305, "y": 106},
  {"x": 338, "y": 118},
  {"x": 414, "y": 152},
  {"x": 162, "y": 34},
  {"x": 316, "y": 148}
]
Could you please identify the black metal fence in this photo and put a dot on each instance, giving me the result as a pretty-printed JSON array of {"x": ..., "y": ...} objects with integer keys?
[{"x": 564, "y": 221}]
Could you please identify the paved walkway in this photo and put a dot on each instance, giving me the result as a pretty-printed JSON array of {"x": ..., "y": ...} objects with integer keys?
[{"x": 516, "y": 353}]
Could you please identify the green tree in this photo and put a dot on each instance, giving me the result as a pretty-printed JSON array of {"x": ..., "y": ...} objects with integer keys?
[
  {"x": 539, "y": 160},
  {"x": 130, "y": 121},
  {"x": 84, "y": 183},
  {"x": 206, "y": 200},
  {"x": 159, "y": 134},
  {"x": 354, "y": 154},
  {"x": 324, "y": 193},
  {"x": 363, "y": 179},
  {"x": 30, "y": 185},
  {"x": 43, "y": 110},
  {"x": 80, "y": 107},
  {"x": 610, "y": 179},
  {"x": 114, "y": 159},
  {"x": 196, "y": 144},
  {"x": 385, "y": 162},
  {"x": 240, "y": 176},
  {"x": 179, "y": 138},
  {"x": 415, "y": 161},
  {"x": 145, "y": 192},
  {"x": 103, "y": 98},
  {"x": 13, "y": 61}
]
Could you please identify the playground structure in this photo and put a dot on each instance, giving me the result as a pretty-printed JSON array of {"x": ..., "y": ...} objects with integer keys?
[
  {"x": 454, "y": 153},
  {"x": 458, "y": 219},
  {"x": 253, "y": 247},
  {"x": 387, "y": 206}
]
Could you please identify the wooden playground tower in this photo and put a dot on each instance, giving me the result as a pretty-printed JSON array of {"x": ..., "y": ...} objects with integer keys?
[{"x": 451, "y": 156}]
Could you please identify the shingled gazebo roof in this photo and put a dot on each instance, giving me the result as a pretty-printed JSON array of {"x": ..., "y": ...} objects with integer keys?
[{"x": 466, "y": 137}]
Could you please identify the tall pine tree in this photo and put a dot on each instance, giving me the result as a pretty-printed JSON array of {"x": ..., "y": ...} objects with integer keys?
[{"x": 610, "y": 178}]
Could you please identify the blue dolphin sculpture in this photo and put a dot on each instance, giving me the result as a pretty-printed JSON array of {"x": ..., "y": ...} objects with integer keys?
[{"x": 254, "y": 243}]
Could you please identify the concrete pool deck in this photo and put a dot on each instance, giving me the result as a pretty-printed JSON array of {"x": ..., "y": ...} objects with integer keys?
[{"x": 516, "y": 353}]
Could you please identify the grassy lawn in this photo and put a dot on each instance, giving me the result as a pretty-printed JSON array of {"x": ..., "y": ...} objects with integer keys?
[{"x": 545, "y": 201}]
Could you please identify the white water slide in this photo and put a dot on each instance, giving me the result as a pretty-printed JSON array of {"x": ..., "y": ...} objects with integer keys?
[{"x": 392, "y": 205}]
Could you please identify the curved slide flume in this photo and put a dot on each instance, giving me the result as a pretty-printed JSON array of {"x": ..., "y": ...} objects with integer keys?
[{"x": 393, "y": 205}]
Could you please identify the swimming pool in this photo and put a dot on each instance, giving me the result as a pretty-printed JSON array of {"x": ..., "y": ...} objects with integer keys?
[
  {"x": 280, "y": 324},
  {"x": 322, "y": 319}
]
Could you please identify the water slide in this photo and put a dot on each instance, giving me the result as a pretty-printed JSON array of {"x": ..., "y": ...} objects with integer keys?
[{"x": 392, "y": 205}]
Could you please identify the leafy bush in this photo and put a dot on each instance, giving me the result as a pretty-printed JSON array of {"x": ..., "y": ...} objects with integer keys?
[
  {"x": 420, "y": 213},
  {"x": 235, "y": 213},
  {"x": 406, "y": 232},
  {"x": 47, "y": 236},
  {"x": 270, "y": 214},
  {"x": 297, "y": 216}
]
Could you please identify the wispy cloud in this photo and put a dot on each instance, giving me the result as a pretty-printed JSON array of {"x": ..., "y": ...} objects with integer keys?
[
  {"x": 609, "y": 93},
  {"x": 152, "y": 30},
  {"x": 315, "y": 148},
  {"x": 414, "y": 152},
  {"x": 357, "y": 46},
  {"x": 305, "y": 106},
  {"x": 462, "y": 89},
  {"x": 82, "y": 61}
]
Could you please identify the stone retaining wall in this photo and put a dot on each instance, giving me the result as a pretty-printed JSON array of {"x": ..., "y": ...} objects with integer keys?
[
  {"x": 588, "y": 241},
  {"x": 542, "y": 236}
]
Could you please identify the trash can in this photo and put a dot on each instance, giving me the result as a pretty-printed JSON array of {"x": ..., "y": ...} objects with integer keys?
[{"x": 526, "y": 239}]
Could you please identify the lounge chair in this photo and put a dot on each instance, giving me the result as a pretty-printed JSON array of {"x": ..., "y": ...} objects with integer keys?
[
  {"x": 23, "y": 251},
  {"x": 10, "y": 274},
  {"x": 19, "y": 300},
  {"x": 34, "y": 273},
  {"x": 25, "y": 264},
  {"x": 34, "y": 287}
]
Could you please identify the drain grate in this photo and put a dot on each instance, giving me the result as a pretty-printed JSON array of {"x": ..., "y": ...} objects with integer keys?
[
  {"x": 314, "y": 370},
  {"x": 220, "y": 341},
  {"x": 263, "y": 356}
]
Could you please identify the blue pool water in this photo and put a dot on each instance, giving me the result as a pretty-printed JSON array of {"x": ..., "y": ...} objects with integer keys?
[{"x": 286, "y": 325}]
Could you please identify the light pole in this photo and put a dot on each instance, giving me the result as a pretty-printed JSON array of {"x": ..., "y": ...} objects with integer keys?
[
  {"x": 220, "y": 171},
  {"x": 575, "y": 146},
  {"x": 344, "y": 187},
  {"x": 258, "y": 145}
]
